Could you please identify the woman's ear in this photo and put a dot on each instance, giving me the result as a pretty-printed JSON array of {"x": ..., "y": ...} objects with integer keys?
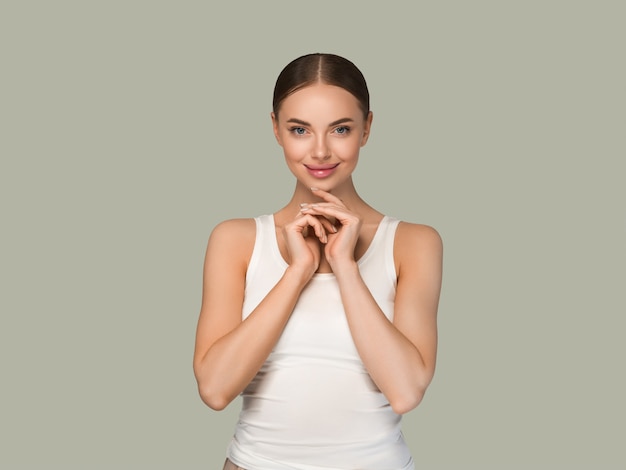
[
  {"x": 367, "y": 128},
  {"x": 275, "y": 127}
]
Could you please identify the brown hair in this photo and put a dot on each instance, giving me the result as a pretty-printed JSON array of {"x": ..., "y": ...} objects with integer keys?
[{"x": 329, "y": 69}]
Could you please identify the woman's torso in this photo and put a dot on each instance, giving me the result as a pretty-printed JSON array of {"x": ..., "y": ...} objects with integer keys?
[{"x": 313, "y": 405}]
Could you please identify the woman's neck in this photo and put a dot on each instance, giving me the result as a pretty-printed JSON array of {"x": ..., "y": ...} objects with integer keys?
[{"x": 347, "y": 193}]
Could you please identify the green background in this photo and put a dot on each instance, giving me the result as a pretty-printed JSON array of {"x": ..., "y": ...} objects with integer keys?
[{"x": 130, "y": 128}]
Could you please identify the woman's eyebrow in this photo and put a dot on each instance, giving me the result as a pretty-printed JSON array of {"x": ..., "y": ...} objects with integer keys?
[{"x": 334, "y": 123}]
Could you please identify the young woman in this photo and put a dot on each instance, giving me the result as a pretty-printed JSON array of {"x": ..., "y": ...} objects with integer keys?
[{"x": 323, "y": 314}]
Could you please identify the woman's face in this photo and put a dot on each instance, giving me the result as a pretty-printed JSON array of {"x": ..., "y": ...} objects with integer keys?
[{"x": 321, "y": 129}]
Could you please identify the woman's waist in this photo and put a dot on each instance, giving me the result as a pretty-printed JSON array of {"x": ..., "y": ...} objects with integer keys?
[
  {"x": 315, "y": 401},
  {"x": 344, "y": 445}
]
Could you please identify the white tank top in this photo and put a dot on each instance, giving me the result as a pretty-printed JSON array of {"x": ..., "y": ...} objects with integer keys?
[{"x": 312, "y": 405}]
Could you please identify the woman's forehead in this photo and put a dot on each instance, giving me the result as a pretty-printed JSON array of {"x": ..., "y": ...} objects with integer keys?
[{"x": 321, "y": 100}]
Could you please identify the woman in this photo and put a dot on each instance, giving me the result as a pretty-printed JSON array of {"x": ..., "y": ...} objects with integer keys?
[{"x": 323, "y": 314}]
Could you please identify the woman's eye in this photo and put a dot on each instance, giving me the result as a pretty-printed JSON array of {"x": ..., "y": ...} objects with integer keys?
[
  {"x": 342, "y": 130},
  {"x": 298, "y": 130}
]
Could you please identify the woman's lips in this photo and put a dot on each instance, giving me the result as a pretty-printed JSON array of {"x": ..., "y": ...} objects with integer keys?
[{"x": 321, "y": 171}]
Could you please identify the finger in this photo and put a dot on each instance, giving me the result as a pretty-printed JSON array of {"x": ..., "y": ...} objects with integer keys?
[
  {"x": 304, "y": 230},
  {"x": 330, "y": 210},
  {"x": 327, "y": 196},
  {"x": 306, "y": 221},
  {"x": 328, "y": 225}
]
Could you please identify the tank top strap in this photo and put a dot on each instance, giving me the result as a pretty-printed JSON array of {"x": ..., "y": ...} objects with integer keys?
[
  {"x": 378, "y": 259},
  {"x": 388, "y": 240},
  {"x": 262, "y": 243}
]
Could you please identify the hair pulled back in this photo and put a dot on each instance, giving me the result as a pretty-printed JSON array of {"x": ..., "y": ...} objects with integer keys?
[{"x": 329, "y": 69}]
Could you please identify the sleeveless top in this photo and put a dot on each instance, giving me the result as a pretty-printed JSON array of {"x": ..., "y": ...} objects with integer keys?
[{"x": 312, "y": 405}]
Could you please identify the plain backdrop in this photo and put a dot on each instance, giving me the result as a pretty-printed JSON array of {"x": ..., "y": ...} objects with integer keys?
[{"x": 129, "y": 129}]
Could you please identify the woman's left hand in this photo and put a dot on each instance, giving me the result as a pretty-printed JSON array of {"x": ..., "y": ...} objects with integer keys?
[{"x": 341, "y": 244}]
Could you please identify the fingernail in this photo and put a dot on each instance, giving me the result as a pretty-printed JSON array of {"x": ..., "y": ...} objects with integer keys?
[
  {"x": 304, "y": 204},
  {"x": 315, "y": 189},
  {"x": 334, "y": 228}
]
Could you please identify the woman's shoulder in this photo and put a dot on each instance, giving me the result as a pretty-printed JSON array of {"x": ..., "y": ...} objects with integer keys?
[
  {"x": 237, "y": 234},
  {"x": 413, "y": 237},
  {"x": 235, "y": 226},
  {"x": 231, "y": 244},
  {"x": 412, "y": 230}
]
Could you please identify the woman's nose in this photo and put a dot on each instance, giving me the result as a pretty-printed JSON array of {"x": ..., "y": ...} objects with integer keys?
[{"x": 321, "y": 150}]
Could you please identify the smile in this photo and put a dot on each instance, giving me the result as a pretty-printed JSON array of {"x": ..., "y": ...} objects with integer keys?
[{"x": 321, "y": 171}]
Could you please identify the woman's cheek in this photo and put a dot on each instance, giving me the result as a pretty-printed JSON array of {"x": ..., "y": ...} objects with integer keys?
[{"x": 296, "y": 150}]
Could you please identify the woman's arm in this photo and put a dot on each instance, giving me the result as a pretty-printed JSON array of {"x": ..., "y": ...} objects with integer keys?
[
  {"x": 229, "y": 352},
  {"x": 399, "y": 356}
]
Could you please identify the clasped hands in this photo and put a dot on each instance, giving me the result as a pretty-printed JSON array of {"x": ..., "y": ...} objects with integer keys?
[{"x": 313, "y": 228}]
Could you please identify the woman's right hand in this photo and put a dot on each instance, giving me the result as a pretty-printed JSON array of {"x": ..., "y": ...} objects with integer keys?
[{"x": 303, "y": 237}]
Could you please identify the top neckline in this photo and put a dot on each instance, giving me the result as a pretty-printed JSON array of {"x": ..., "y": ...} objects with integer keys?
[{"x": 359, "y": 262}]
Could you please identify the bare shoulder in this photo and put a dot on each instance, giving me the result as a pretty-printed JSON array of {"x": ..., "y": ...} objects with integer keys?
[
  {"x": 240, "y": 229},
  {"x": 233, "y": 237},
  {"x": 417, "y": 235},
  {"x": 417, "y": 241}
]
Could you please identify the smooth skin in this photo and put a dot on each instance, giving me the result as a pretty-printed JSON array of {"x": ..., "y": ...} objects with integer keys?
[{"x": 325, "y": 227}]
